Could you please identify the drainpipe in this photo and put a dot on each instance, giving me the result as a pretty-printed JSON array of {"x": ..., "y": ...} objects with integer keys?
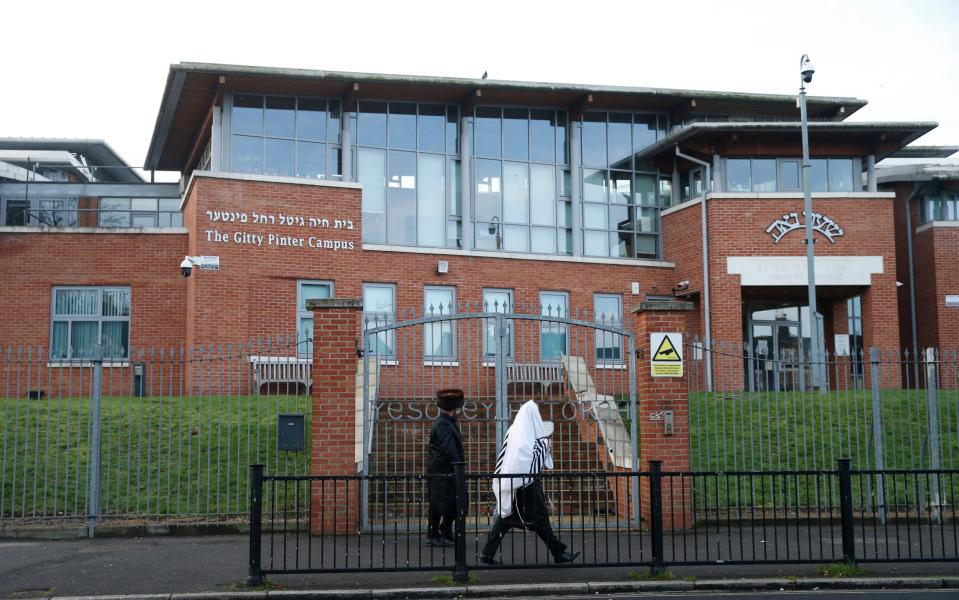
[
  {"x": 707, "y": 341},
  {"x": 912, "y": 278}
]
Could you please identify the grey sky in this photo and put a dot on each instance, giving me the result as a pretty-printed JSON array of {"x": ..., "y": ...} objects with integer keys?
[{"x": 97, "y": 70}]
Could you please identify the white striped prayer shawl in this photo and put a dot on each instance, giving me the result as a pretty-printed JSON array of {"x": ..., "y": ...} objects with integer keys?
[{"x": 526, "y": 451}]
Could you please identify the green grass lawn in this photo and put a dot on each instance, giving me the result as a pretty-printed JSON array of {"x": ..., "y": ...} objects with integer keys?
[
  {"x": 794, "y": 430},
  {"x": 189, "y": 457},
  {"x": 160, "y": 455}
]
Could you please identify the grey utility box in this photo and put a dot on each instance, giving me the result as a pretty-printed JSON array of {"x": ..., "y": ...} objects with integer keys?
[{"x": 289, "y": 433}]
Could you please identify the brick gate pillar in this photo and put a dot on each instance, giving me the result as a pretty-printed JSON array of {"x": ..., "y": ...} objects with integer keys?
[
  {"x": 336, "y": 335},
  {"x": 655, "y": 397}
]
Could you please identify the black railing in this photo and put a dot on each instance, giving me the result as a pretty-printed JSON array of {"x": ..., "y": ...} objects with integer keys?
[{"x": 654, "y": 519}]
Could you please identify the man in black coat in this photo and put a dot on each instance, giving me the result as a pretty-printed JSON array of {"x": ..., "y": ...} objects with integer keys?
[{"x": 446, "y": 448}]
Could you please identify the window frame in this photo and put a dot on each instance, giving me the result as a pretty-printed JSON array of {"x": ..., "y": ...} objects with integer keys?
[
  {"x": 332, "y": 142},
  {"x": 511, "y": 295},
  {"x": 452, "y": 224},
  {"x": 100, "y": 318},
  {"x": 303, "y": 313},
  {"x": 780, "y": 162},
  {"x": 551, "y": 327},
  {"x": 390, "y": 336},
  {"x": 503, "y": 230},
  {"x": 607, "y": 335},
  {"x": 428, "y": 356},
  {"x": 637, "y": 169}
]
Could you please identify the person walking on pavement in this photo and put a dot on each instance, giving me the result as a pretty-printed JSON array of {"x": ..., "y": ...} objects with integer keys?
[
  {"x": 446, "y": 448},
  {"x": 521, "y": 501}
]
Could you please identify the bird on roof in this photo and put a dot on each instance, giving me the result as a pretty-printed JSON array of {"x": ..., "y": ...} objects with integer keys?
[{"x": 485, "y": 74}]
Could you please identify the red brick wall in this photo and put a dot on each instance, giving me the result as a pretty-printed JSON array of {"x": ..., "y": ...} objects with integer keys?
[
  {"x": 656, "y": 394},
  {"x": 254, "y": 293},
  {"x": 737, "y": 228},
  {"x": 936, "y": 254},
  {"x": 336, "y": 502},
  {"x": 33, "y": 263}
]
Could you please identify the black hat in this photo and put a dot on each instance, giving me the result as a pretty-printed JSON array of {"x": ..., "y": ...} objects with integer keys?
[{"x": 450, "y": 399}]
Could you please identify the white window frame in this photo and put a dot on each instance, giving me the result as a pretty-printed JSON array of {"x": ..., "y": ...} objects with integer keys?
[
  {"x": 441, "y": 325},
  {"x": 488, "y": 352},
  {"x": 99, "y": 319},
  {"x": 377, "y": 320},
  {"x": 550, "y": 326},
  {"x": 606, "y": 339},
  {"x": 303, "y": 313}
]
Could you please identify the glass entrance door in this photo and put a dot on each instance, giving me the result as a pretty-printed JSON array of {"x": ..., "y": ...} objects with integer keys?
[{"x": 780, "y": 357}]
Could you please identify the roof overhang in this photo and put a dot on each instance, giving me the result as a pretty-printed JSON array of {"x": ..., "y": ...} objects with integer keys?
[
  {"x": 916, "y": 172},
  {"x": 97, "y": 152},
  {"x": 706, "y": 139},
  {"x": 925, "y": 152},
  {"x": 193, "y": 88}
]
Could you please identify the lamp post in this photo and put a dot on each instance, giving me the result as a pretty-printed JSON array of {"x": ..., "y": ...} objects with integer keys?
[{"x": 806, "y": 71}]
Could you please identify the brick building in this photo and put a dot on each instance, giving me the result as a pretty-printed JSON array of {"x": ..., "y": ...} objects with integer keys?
[{"x": 411, "y": 192}]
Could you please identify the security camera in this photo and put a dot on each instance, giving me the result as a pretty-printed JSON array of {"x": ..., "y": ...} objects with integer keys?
[
  {"x": 806, "y": 68},
  {"x": 186, "y": 267},
  {"x": 682, "y": 285}
]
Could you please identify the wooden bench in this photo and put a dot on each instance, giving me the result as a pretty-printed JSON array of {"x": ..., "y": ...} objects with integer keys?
[
  {"x": 282, "y": 369},
  {"x": 545, "y": 374}
]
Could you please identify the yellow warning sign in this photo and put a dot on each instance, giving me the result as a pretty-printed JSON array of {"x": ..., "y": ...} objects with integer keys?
[{"x": 667, "y": 354}]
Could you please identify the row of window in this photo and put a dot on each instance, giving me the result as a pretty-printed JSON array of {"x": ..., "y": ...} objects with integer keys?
[
  {"x": 111, "y": 212},
  {"x": 407, "y": 158},
  {"x": 785, "y": 175},
  {"x": 84, "y": 317},
  {"x": 440, "y": 339},
  {"x": 944, "y": 207}
]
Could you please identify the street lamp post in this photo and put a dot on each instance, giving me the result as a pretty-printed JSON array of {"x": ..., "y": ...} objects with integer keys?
[{"x": 806, "y": 72}]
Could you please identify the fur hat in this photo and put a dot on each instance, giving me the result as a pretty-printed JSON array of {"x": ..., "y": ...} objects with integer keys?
[{"x": 450, "y": 399}]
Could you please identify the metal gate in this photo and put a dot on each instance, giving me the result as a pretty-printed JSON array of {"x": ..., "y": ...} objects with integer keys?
[{"x": 580, "y": 369}]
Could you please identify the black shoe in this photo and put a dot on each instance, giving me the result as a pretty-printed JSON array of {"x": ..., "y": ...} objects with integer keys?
[
  {"x": 437, "y": 542},
  {"x": 490, "y": 560},
  {"x": 449, "y": 538},
  {"x": 566, "y": 557}
]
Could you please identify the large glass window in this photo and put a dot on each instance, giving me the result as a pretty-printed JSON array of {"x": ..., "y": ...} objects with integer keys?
[
  {"x": 784, "y": 175},
  {"x": 379, "y": 309},
  {"x": 406, "y": 161},
  {"x": 621, "y": 194},
  {"x": 553, "y": 335},
  {"x": 439, "y": 341},
  {"x": 608, "y": 310},
  {"x": 497, "y": 301},
  {"x": 283, "y": 135},
  {"x": 84, "y": 317},
  {"x": 140, "y": 212},
  {"x": 943, "y": 207},
  {"x": 308, "y": 290},
  {"x": 521, "y": 189}
]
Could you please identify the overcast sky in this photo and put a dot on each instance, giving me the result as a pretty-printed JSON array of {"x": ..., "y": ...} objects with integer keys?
[{"x": 97, "y": 70}]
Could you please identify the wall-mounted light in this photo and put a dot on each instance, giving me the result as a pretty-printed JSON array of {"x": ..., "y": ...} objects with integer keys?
[{"x": 442, "y": 267}]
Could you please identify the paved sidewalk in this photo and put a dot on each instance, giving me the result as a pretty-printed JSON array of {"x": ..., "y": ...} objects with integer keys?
[{"x": 164, "y": 565}]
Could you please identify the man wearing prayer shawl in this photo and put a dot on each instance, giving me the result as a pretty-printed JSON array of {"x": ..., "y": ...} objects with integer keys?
[{"x": 520, "y": 500}]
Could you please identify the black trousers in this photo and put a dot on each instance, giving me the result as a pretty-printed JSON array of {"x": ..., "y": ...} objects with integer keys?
[
  {"x": 529, "y": 512},
  {"x": 440, "y": 525},
  {"x": 442, "y": 508}
]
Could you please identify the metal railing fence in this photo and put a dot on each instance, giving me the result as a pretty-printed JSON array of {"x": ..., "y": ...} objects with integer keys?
[
  {"x": 882, "y": 409},
  {"x": 311, "y": 524},
  {"x": 159, "y": 438}
]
